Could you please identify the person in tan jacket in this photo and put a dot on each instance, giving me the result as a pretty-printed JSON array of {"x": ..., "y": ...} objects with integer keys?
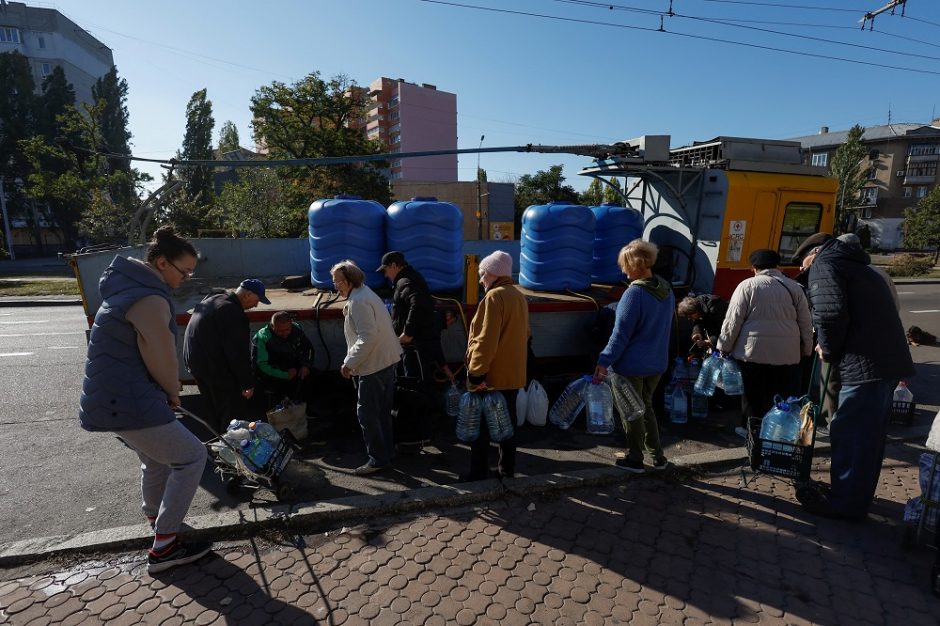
[
  {"x": 496, "y": 355},
  {"x": 767, "y": 329}
]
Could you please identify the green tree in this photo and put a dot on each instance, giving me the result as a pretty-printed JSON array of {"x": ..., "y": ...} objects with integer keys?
[
  {"x": 113, "y": 131},
  {"x": 846, "y": 168},
  {"x": 228, "y": 138},
  {"x": 258, "y": 205},
  {"x": 197, "y": 146},
  {"x": 58, "y": 96},
  {"x": 594, "y": 194},
  {"x": 17, "y": 112},
  {"x": 613, "y": 192},
  {"x": 922, "y": 224},
  {"x": 310, "y": 119},
  {"x": 540, "y": 188}
]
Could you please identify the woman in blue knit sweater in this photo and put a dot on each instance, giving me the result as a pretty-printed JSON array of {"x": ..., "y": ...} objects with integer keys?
[{"x": 637, "y": 352}]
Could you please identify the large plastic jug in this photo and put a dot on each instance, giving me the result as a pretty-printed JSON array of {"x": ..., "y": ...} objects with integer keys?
[
  {"x": 452, "y": 400},
  {"x": 782, "y": 422},
  {"x": 497, "y": 417},
  {"x": 569, "y": 403},
  {"x": 708, "y": 375},
  {"x": 468, "y": 418},
  {"x": 599, "y": 403},
  {"x": 680, "y": 406},
  {"x": 346, "y": 227},
  {"x": 902, "y": 393},
  {"x": 731, "y": 377},
  {"x": 555, "y": 248}
]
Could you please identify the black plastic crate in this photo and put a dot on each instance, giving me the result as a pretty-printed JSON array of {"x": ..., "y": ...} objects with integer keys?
[
  {"x": 775, "y": 457},
  {"x": 903, "y": 412}
]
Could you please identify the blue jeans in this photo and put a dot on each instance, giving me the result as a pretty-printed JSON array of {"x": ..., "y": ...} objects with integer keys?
[
  {"x": 376, "y": 394},
  {"x": 857, "y": 435}
]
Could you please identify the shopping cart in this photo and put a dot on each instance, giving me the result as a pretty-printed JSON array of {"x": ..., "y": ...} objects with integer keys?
[
  {"x": 788, "y": 460},
  {"x": 236, "y": 473}
]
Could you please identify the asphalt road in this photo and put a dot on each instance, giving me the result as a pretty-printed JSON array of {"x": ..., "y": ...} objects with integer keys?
[{"x": 57, "y": 479}]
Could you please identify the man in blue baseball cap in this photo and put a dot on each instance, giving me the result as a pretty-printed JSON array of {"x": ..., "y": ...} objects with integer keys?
[{"x": 217, "y": 351}]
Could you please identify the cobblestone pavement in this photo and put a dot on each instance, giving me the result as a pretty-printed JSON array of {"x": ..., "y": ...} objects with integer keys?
[{"x": 675, "y": 549}]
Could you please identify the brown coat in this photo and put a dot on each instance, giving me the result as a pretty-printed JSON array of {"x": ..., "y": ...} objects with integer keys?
[{"x": 499, "y": 335}]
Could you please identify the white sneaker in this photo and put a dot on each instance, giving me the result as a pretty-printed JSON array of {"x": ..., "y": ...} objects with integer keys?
[{"x": 741, "y": 432}]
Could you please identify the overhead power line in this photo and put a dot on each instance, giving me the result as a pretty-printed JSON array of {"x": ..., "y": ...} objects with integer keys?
[{"x": 680, "y": 34}]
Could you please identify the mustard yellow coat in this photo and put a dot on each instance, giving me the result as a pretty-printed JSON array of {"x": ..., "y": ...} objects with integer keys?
[{"x": 499, "y": 335}]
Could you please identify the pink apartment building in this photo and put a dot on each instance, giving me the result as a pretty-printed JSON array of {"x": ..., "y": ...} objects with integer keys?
[{"x": 412, "y": 118}]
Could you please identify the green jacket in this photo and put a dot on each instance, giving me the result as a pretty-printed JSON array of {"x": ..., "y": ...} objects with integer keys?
[{"x": 273, "y": 356}]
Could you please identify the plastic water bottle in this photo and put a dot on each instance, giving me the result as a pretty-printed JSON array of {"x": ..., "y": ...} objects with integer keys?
[
  {"x": 569, "y": 403},
  {"x": 699, "y": 406},
  {"x": 902, "y": 393},
  {"x": 497, "y": 417},
  {"x": 236, "y": 424},
  {"x": 731, "y": 377},
  {"x": 256, "y": 452},
  {"x": 694, "y": 367},
  {"x": 468, "y": 417},
  {"x": 707, "y": 379},
  {"x": 680, "y": 406},
  {"x": 452, "y": 400},
  {"x": 266, "y": 431},
  {"x": 599, "y": 403},
  {"x": 628, "y": 402},
  {"x": 780, "y": 423}
]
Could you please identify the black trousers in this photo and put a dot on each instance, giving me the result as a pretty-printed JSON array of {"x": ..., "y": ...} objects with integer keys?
[
  {"x": 762, "y": 382},
  {"x": 223, "y": 402},
  {"x": 480, "y": 449}
]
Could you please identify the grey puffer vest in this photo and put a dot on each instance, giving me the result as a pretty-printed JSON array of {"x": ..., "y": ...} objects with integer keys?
[{"x": 118, "y": 392}]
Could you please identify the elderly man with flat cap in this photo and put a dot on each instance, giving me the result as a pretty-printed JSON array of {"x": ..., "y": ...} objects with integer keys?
[
  {"x": 217, "y": 350},
  {"x": 767, "y": 329}
]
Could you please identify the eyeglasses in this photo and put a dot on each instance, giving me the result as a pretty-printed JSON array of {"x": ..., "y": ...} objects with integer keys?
[{"x": 184, "y": 273}]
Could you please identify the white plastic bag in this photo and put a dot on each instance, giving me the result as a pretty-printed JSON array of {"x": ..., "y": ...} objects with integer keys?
[
  {"x": 522, "y": 406},
  {"x": 537, "y": 410}
]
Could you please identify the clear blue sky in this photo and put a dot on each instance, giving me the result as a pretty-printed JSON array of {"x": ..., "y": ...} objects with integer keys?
[{"x": 599, "y": 74}]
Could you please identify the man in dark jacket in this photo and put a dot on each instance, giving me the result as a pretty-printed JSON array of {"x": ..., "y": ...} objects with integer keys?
[
  {"x": 707, "y": 313},
  {"x": 217, "y": 350},
  {"x": 283, "y": 358},
  {"x": 414, "y": 318},
  {"x": 860, "y": 333}
]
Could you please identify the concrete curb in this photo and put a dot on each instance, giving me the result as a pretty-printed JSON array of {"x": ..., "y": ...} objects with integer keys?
[
  {"x": 238, "y": 524},
  {"x": 14, "y": 301}
]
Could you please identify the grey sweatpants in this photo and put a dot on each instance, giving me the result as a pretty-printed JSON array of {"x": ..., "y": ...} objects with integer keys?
[{"x": 172, "y": 460}]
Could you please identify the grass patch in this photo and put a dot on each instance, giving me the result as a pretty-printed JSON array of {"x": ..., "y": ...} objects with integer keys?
[{"x": 38, "y": 287}]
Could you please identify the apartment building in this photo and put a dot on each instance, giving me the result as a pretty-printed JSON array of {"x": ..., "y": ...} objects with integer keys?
[
  {"x": 47, "y": 39},
  {"x": 901, "y": 168},
  {"x": 408, "y": 117}
]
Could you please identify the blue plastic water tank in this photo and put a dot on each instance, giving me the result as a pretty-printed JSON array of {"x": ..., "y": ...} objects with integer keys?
[
  {"x": 556, "y": 247},
  {"x": 616, "y": 226},
  {"x": 346, "y": 227},
  {"x": 430, "y": 235}
]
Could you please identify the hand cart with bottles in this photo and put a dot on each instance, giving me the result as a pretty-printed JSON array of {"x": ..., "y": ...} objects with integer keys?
[
  {"x": 237, "y": 471},
  {"x": 792, "y": 461}
]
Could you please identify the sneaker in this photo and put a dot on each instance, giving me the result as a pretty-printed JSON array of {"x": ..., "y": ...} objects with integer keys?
[
  {"x": 177, "y": 553},
  {"x": 661, "y": 463},
  {"x": 741, "y": 432},
  {"x": 367, "y": 468},
  {"x": 629, "y": 465},
  {"x": 815, "y": 500}
]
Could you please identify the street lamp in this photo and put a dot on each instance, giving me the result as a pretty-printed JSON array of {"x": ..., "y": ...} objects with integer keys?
[{"x": 479, "y": 195}]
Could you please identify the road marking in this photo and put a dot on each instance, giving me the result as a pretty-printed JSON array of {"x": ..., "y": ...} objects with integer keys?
[
  {"x": 906, "y": 293},
  {"x": 16, "y": 354},
  {"x": 81, "y": 332},
  {"x": 926, "y": 311},
  {"x": 28, "y": 322},
  {"x": 65, "y": 347}
]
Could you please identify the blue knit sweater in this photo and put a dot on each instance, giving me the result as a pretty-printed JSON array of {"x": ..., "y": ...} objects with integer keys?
[{"x": 639, "y": 345}]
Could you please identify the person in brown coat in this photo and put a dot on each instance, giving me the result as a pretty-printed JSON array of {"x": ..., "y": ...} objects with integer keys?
[{"x": 496, "y": 355}]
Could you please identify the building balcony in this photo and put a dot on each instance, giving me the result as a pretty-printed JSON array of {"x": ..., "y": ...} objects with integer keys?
[
  {"x": 919, "y": 180},
  {"x": 923, "y": 158}
]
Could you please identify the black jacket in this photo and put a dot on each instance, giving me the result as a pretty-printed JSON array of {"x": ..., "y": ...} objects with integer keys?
[
  {"x": 713, "y": 310},
  {"x": 217, "y": 343},
  {"x": 857, "y": 325},
  {"x": 413, "y": 310}
]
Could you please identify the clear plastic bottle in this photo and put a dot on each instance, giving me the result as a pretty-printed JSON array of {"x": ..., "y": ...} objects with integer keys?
[
  {"x": 256, "y": 452},
  {"x": 569, "y": 403},
  {"x": 468, "y": 417},
  {"x": 236, "y": 424},
  {"x": 679, "y": 374},
  {"x": 266, "y": 431},
  {"x": 903, "y": 394},
  {"x": 599, "y": 403},
  {"x": 708, "y": 376},
  {"x": 731, "y": 377},
  {"x": 496, "y": 412},
  {"x": 781, "y": 423},
  {"x": 452, "y": 400},
  {"x": 680, "y": 406},
  {"x": 628, "y": 402}
]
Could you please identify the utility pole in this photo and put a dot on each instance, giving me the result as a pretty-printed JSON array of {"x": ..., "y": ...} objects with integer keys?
[
  {"x": 6, "y": 219},
  {"x": 479, "y": 195}
]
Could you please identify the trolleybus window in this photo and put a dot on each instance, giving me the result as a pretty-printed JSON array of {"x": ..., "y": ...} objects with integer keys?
[{"x": 800, "y": 220}]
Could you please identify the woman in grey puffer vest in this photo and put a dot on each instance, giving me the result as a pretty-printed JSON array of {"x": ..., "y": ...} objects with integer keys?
[{"x": 132, "y": 385}]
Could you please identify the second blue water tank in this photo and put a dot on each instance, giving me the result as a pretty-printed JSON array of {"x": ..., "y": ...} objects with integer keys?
[
  {"x": 430, "y": 235},
  {"x": 556, "y": 247},
  {"x": 615, "y": 227},
  {"x": 346, "y": 227}
]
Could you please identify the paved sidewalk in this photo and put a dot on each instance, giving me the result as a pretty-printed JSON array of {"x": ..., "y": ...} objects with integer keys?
[{"x": 674, "y": 548}]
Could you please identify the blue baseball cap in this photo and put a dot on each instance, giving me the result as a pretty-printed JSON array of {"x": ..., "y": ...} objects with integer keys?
[{"x": 256, "y": 287}]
